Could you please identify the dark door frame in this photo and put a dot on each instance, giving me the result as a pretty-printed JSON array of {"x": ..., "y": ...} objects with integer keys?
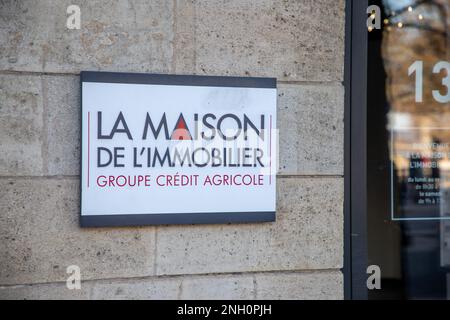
[{"x": 355, "y": 157}]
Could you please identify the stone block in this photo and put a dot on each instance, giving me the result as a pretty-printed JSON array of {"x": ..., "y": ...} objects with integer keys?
[
  {"x": 129, "y": 36},
  {"x": 40, "y": 237},
  {"x": 308, "y": 234},
  {"x": 323, "y": 285},
  {"x": 21, "y": 125},
  {"x": 289, "y": 40},
  {"x": 311, "y": 130}
]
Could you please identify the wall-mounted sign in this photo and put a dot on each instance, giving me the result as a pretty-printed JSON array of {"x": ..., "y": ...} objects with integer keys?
[{"x": 169, "y": 149}]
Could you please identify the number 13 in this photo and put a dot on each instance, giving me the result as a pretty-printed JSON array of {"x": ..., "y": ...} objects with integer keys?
[{"x": 417, "y": 68}]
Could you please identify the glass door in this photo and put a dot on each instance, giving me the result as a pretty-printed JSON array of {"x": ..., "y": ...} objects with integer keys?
[{"x": 408, "y": 149}]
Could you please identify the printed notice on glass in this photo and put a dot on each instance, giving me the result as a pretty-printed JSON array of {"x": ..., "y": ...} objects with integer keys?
[{"x": 420, "y": 173}]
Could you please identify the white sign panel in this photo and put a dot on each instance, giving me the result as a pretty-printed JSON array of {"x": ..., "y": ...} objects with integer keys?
[{"x": 167, "y": 149}]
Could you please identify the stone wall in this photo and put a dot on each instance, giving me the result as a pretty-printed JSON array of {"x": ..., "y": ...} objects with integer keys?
[{"x": 299, "y": 256}]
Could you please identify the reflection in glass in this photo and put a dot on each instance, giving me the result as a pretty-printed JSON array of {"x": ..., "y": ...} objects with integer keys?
[{"x": 409, "y": 149}]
